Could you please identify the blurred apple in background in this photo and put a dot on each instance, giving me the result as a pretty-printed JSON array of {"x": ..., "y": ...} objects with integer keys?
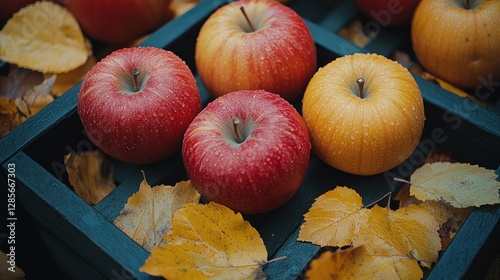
[
  {"x": 248, "y": 150},
  {"x": 136, "y": 103},
  {"x": 364, "y": 112},
  {"x": 272, "y": 50},
  {"x": 118, "y": 21},
  {"x": 9, "y": 7},
  {"x": 459, "y": 40},
  {"x": 388, "y": 12}
]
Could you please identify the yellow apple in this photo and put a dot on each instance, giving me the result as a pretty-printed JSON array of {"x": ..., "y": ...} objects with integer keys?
[
  {"x": 364, "y": 113},
  {"x": 458, "y": 41}
]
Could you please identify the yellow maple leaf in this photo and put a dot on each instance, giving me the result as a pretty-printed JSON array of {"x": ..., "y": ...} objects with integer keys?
[
  {"x": 147, "y": 215},
  {"x": 458, "y": 184},
  {"x": 90, "y": 174},
  {"x": 334, "y": 218},
  {"x": 409, "y": 233},
  {"x": 208, "y": 241},
  {"x": 45, "y": 37},
  {"x": 351, "y": 263}
]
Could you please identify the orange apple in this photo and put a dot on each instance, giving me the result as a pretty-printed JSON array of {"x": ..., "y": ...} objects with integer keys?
[
  {"x": 458, "y": 41},
  {"x": 364, "y": 113}
]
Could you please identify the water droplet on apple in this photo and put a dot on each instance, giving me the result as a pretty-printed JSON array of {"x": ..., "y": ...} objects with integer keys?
[
  {"x": 352, "y": 137},
  {"x": 262, "y": 58}
]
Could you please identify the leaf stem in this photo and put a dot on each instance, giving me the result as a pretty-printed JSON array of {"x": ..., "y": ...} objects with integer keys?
[
  {"x": 401, "y": 180},
  {"x": 380, "y": 199},
  {"x": 242, "y": 9},
  {"x": 276, "y": 259}
]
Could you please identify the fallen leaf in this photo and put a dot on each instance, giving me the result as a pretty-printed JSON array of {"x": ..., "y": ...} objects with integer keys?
[
  {"x": 179, "y": 7},
  {"x": 404, "y": 197},
  {"x": 208, "y": 241},
  {"x": 334, "y": 218},
  {"x": 458, "y": 184},
  {"x": 90, "y": 174},
  {"x": 417, "y": 69},
  {"x": 147, "y": 216},
  {"x": 65, "y": 81},
  {"x": 355, "y": 32},
  {"x": 9, "y": 117},
  {"x": 9, "y": 272},
  {"x": 451, "y": 88},
  {"x": 351, "y": 263},
  {"x": 23, "y": 92},
  {"x": 404, "y": 239},
  {"x": 18, "y": 81},
  {"x": 35, "y": 99},
  {"x": 45, "y": 37},
  {"x": 407, "y": 233},
  {"x": 450, "y": 219}
]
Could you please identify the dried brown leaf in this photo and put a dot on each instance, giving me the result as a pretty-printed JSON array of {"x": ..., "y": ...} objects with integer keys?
[
  {"x": 35, "y": 98},
  {"x": 9, "y": 117},
  {"x": 90, "y": 174},
  {"x": 147, "y": 216}
]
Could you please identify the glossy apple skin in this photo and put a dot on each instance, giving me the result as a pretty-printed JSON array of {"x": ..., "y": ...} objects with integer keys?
[
  {"x": 389, "y": 12},
  {"x": 118, "y": 21},
  {"x": 261, "y": 173},
  {"x": 459, "y": 45},
  {"x": 368, "y": 135},
  {"x": 140, "y": 127},
  {"x": 279, "y": 57}
]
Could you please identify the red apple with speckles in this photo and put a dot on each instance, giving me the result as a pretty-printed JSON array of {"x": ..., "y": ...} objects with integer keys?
[
  {"x": 248, "y": 150},
  {"x": 389, "y": 12},
  {"x": 136, "y": 103},
  {"x": 267, "y": 45},
  {"x": 118, "y": 21}
]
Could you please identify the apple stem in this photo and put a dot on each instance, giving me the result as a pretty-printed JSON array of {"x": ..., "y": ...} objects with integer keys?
[
  {"x": 135, "y": 74},
  {"x": 236, "y": 123},
  {"x": 467, "y": 4},
  {"x": 242, "y": 9},
  {"x": 361, "y": 84}
]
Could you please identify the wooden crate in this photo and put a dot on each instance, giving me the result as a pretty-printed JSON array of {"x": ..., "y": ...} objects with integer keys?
[{"x": 87, "y": 245}]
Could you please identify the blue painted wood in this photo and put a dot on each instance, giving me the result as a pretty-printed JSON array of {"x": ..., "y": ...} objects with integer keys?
[
  {"x": 74, "y": 222},
  {"x": 87, "y": 237}
]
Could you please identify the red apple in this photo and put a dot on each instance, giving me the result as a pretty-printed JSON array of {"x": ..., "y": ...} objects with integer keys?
[
  {"x": 389, "y": 12},
  {"x": 118, "y": 21},
  {"x": 136, "y": 103},
  {"x": 248, "y": 150},
  {"x": 276, "y": 53}
]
